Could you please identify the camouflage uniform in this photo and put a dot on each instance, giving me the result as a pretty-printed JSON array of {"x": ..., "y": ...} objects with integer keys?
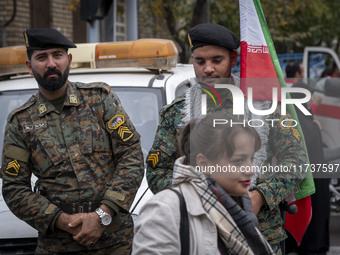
[
  {"x": 89, "y": 152},
  {"x": 283, "y": 143}
]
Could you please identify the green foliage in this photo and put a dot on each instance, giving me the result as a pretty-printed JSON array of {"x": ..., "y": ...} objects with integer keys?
[{"x": 293, "y": 24}]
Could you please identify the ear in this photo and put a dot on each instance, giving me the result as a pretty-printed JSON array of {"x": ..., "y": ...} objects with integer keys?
[
  {"x": 233, "y": 58},
  {"x": 70, "y": 59},
  {"x": 28, "y": 64},
  {"x": 201, "y": 160}
]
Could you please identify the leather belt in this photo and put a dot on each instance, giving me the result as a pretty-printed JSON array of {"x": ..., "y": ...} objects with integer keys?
[{"x": 73, "y": 208}]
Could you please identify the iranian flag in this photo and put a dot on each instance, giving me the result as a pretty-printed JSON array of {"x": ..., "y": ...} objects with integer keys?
[{"x": 260, "y": 69}]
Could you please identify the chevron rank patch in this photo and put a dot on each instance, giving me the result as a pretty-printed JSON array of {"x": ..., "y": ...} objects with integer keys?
[
  {"x": 12, "y": 168},
  {"x": 116, "y": 121},
  {"x": 153, "y": 159},
  {"x": 125, "y": 133}
]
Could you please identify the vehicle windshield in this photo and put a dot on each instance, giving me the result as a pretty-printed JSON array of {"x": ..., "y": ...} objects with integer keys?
[{"x": 141, "y": 104}]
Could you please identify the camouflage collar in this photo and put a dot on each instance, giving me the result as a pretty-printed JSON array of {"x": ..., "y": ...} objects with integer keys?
[
  {"x": 72, "y": 95},
  {"x": 72, "y": 98}
]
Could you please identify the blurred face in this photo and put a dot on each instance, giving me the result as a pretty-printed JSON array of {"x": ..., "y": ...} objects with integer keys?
[
  {"x": 235, "y": 182},
  {"x": 213, "y": 62},
  {"x": 50, "y": 68}
]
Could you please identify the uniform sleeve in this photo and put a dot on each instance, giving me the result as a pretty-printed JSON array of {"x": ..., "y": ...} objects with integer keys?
[
  {"x": 127, "y": 153},
  {"x": 163, "y": 154},
  {"x": 16, "y": 173},
  {"x": 286, "y": 145},
  {"x": 153, "y": 234}
]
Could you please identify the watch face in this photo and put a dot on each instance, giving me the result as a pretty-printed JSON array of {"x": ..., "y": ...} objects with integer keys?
[{"x": 106, "y": 220}]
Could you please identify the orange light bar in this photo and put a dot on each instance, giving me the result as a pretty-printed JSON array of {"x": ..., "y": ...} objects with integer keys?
[
  {"x": 147, "y": 53},
  {"x": 12, "y": 60}
]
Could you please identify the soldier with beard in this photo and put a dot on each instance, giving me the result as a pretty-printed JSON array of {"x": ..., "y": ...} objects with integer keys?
[{"x": 68, "y": 135}]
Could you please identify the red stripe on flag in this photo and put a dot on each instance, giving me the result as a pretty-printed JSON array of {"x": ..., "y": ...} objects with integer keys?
[
  {"x": 256, "y": 62},
  {"x": 258, "y": 72},
  {"x": 297, "y": 224},
  {"x": 328, "y": 111}
]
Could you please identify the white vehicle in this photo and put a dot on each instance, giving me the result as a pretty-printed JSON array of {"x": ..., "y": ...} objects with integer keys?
[
  {"x": 149, "y": 79},
  {"x": 315, "y": 60}
]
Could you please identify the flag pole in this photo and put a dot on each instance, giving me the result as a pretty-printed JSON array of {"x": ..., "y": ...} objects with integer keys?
[{"x": 308, "y": 180}]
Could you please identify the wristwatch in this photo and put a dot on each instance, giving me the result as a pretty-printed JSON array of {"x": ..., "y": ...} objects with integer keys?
[{"x": 104, "y": 217}]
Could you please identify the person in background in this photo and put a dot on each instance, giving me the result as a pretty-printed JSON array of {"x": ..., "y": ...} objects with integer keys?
[
  {"x": 81, "y": 145},
  {"x": 294, "y": 73},
  {"x": 327, "y": 74},
  {"x": 219, "y": 209}
]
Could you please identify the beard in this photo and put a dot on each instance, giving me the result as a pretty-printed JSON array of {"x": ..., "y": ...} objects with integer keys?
[{"x": 54, "y": 83}]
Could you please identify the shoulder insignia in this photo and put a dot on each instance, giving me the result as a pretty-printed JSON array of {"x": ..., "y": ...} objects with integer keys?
[
  {"x": 93, "y": 85},
  {"x": 116, "y": 121},
  {"x": 73, "y": 99},
  {"x": 153, "y": 159},
  {"x": 12, "y": 168},
  {"x": 42, "y": 108},
  {"x": 26, "y": 105},
  {"x": 287, "y": 123}
]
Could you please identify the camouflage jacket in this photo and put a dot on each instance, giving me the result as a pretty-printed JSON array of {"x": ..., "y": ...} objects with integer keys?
[
  {"x": 284, "y": 144},
  {"x": 88, "y": 152}
]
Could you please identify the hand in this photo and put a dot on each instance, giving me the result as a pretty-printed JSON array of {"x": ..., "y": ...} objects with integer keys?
[
  {"x": 91, "y": 229},
  {"x": 256, "y": 201},
  {"x": 63, "y": 223}
]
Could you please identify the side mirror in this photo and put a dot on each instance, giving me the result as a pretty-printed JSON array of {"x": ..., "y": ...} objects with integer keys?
[{"x": 332, "y": 87}]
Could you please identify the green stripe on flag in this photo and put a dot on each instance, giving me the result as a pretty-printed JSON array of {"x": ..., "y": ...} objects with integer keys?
[{"x": 307, "y": 185}]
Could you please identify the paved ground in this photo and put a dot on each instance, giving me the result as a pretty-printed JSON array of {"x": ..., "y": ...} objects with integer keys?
[{"x": 334, "y": 235}]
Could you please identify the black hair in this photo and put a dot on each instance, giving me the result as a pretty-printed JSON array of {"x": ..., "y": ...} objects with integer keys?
[
  {"x": 29, "y": 54},
  {"x": 200, "y": 136},
  {"x": 291, "y": 69},
  {"x": 327, "y": 72}
]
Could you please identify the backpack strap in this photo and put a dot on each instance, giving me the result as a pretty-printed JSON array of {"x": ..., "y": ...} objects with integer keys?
[{"x": 184, "y": 225}]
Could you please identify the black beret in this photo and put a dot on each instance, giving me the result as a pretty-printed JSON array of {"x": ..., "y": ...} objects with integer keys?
[
  {"x": 46, "y": 38},
  {"x": 212, "y": 34}
]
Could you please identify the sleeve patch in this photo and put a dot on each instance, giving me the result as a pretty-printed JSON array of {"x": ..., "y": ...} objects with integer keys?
[
  {"x": 286, "y": 123},
  {"x": 17, "y": 153},
  {"x": 50, "y": 209},
  {"x": 153, "y": 159},
  {"x": 115, "y": 195},
  {"x": 13, "y": 168},
  {"x": 125, "y": 133},
  {"x": 116, "y": 121}
]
